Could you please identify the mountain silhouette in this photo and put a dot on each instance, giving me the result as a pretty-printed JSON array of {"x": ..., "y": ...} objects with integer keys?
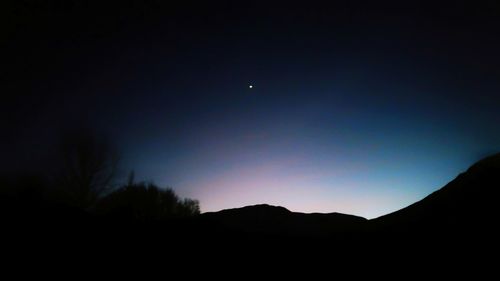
[
  {"x": 467, "y": 205},
  {"x": 463, "y": 212},
  {"x": 274, "y": 220}
]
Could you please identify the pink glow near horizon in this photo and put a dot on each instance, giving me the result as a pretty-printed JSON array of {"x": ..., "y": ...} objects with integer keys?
[{"x": 277, "y": 183}]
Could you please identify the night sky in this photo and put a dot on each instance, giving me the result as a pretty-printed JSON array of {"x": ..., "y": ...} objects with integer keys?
[{"x": 356, "y": 107}]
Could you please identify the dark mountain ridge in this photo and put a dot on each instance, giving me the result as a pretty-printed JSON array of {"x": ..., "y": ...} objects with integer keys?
[
  {"x": 267, "y": 219},
  {"x": 465, "y": 210},
  {"x": 465, "y": 206}
]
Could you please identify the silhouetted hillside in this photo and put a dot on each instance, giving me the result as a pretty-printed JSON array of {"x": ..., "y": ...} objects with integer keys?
[
  {"x": 273, "y": 220},
  {"x": 464, "y": 210},
  {"x": 466, "y": 205}
]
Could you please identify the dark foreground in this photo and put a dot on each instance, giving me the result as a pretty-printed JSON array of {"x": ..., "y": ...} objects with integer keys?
[{"x": 456, "y": 223}]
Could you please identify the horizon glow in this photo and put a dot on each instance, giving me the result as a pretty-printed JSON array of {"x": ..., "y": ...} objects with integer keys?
[{"x": 235, "y": 163}]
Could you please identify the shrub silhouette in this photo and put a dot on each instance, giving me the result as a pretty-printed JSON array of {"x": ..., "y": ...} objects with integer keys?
[{"x": 146, "y": 201}]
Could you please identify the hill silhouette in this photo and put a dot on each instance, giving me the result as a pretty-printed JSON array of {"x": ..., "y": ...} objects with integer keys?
[
  {"x": 461, "y": 214},
  {"x": 465, "y": 206},
  {"x": 265, "y": 219}
]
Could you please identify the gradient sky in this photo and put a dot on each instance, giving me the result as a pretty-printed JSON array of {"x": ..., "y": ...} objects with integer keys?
[{"x": 356, "y": 108}]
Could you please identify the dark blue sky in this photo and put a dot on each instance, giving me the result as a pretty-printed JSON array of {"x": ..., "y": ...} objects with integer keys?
[{"x": 356, "y": 107}]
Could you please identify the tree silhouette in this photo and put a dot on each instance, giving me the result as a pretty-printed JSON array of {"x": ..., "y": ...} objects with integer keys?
[
  {"x": 189, "y": 207},
  {"x": 89, "y": 165}
]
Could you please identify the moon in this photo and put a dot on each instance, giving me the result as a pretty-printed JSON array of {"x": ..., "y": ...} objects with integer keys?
[{"x": 250, "y": 86}]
